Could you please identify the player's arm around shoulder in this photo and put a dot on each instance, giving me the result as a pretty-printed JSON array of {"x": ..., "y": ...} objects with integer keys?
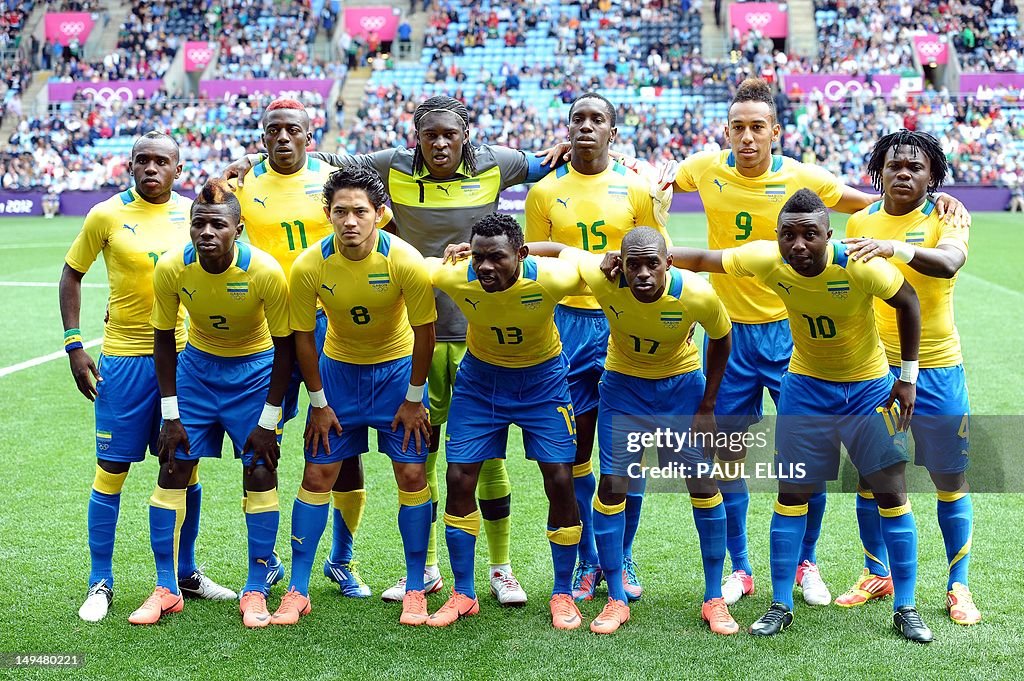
[
  {"x": 688, "y": 172},
  {"x": 560, "y": 277}
]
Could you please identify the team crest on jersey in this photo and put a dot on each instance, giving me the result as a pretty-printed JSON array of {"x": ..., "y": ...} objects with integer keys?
[
  {"x": 915, "y": 237},
  {"x": 776, "y": 192},
  {"x": 379, "y": 281},
  {"x": 671, "y": 319},
  {"x": 177, "y": 217},
  {"x": 470, "y": 186},
  {"x": 313, "y": 189},
  {"x": 238, "y": 289},
  {"x": 103, "y": 438},
  {"x": 618, "y": 190},
  {"x": 839, "y": 289},
  {"x": 531, "y": 300}
]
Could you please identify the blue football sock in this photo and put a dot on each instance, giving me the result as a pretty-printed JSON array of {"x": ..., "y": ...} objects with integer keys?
[
  {"x": 876, "y": 557},
  {"x": 262, "y": 517},
  {"x": 564, "y": 546},
  {"x": 709, "y": 517},
  {"x": 900, "y": 535},
  {"x": 609, "y": 527},
  {"x": 815, "y": 514},
  {"x": 736, "y": 499},
  {"x": 956, "y": 520},
  {"x": 584, "y": 485},
  {"x": 634, "y": 504},
  {"x": 102, "y": 522},
  {"x": 309, "y": 520},
  {"x": 789, "y": 523},
  {"x": 166, "y": 514},
  {"x": 190, "y": 530},
  {"x": 460, "y": 534},
  {"x": 414, "y": 515}
]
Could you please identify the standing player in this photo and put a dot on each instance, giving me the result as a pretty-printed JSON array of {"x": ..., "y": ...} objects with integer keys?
[
  {"x": 283, "y": 213},
  {"x": 514, "y": 372},
  {"x": 131, "y": 229},
  {"x": 838, "y": 389},
  {"x": 590, "y": 204},
  {"x": 742, "y": 190},
  {"x": 439, "y": 189},
  {"x": 903, "y": 227},
  {"x": 653, "y": 371},
  {"x": 237, "y": 361},
  {"x": 379, "y": 302}
]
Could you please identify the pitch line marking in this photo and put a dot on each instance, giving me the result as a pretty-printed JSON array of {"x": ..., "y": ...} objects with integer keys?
[
  {"x": 998, "y": 287},
  {"x": 36, "y": 361}
]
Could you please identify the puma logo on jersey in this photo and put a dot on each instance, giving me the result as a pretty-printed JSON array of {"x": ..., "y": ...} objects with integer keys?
[
  {"x": 785, "y": 288},
  {"x": 617, "y": 313},
  {"x": 130, "y": 228},
  {"x": 721, "y": 185},
  {"x": 564, "y": 202},
  {"x": 474, "y": 303},
  {"x": 188, "y": 293},
  {"x": 262, "y": 202},
  {"x": 328, "y": 288},
  {"x": 444, "y": 188}
]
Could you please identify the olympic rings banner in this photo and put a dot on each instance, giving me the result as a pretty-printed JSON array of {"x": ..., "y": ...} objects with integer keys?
[
  {"x": 359, "y": 21},
  {"x": 63, "y": 27},
  {"x": 837, "y": 88},
  {"x": 104, "y": 92},
  {"x": 932, "y": 50},
  {"x": 198, "y": 55},
  {"x": 768, "y": 18},
  {"x": 217, "y": 89}
]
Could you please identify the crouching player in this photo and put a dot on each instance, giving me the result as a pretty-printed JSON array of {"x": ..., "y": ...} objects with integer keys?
[
  {"x": 237, "y": 363},
  {"x": 838, "y": 389},
  {"x": 905, "y": 228},
  {"x": 380, "y": 310},
  {"x": 514, "y": 372},
  {"x": 653, "y": 371}
]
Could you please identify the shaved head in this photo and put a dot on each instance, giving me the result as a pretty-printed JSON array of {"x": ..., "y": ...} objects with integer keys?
[{"x": 641, "y": 237}]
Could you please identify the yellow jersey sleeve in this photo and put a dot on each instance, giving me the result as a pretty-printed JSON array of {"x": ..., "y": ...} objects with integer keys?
[
  {"x": 538, "y": 224},
  {"x": 949, "y": 235},
  {"x": 691, "y": 170},
  {"x": 752, "y": 259},
  {"x": 877, "y": 277},
  {"x": 820, "y": 181},
  {"x": 414, "y": 280},
  {"x": 707, "y": 307},
  {"x": 302, "y": 290},
  {"x": 272, "y": 287},
  {"x": 165, "y": 291},
  {"x": 90, "y": 241}
]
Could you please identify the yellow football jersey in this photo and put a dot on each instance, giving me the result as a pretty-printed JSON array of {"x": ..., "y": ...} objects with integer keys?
[
  {"x": 231, "y": 314},
  {"x": 371, "y": 304},
  {"x": 132, "y": 234},
  {"x": 649, "y": 340},
  {"x": 589, "y": 212},
  {"x": 516, "y": 327},
  {"x": 940, "y": 341},
  {"x": 830, "y": 316},
  {"x": 742, "y": 209},
  {"x": 284, "y": 214}
]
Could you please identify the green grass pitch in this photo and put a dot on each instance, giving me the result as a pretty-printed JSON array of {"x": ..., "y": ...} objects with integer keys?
[{"x": 47, "y": 460}]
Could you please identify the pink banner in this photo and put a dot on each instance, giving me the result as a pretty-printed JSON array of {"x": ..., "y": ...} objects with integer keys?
[
  {"x": 768, "y": 18},
  {"x": 360, "y": 21},
  {"x": 970, "y": 82},
  {"x": 837, "y": 88},
  {"x": 63, "y": 27},
  {"x": 104, "y": 92},
  {"x": 932, "y": 50},
  {"x": 217, "y": 89},
  {"x": 198, "y": 55}
]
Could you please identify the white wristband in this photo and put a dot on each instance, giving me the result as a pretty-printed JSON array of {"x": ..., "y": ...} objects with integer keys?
[
  {"x": 902, "y": 251},
  {"x": 415, "y": 393},
  {"x": 169, "y": 408},
  {"x": 317, "y": 398},
  {"x": 270, "y": 417},
  {"x": 908, "y": 371}
]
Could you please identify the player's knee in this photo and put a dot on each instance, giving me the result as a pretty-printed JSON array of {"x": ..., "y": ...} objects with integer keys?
[
  {"x": 260, "y": 479},
  {"x": 557, "y": 479},
  {"x": 794, "y": 495},
  {"x": 350, "y": 475},
  {"x": 702, "y": 488},
  {"x": 888, "y": 482},
  {"x": 736, "y": 452},
  {"x": 461, "y": 480},
  {"x": 114, "y": 467},
  {"x": 178, "y": 477},
  {"x": 611, "y": 490},
  {"x": 950, "y": 482},
  {"x": 319, "y": 477},
  {"x": 410, "y": 477}
]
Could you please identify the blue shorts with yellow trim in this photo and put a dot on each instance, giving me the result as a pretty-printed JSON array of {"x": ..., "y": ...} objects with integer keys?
[
  {"x": 815, "y": 416},
  {"x": 760, "y": 356},
  {"x": 218, "y": 395},
  {"x": 127, "y": 408},
  {"x": 290, "y": 405},
  {"x": 584, "y": 336},
  {"x": 941, "y": 419},
  {"x": 635, "y": 405},
  {"x": 488, "y": 399},
  {"x": 365, "y": 396}
]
